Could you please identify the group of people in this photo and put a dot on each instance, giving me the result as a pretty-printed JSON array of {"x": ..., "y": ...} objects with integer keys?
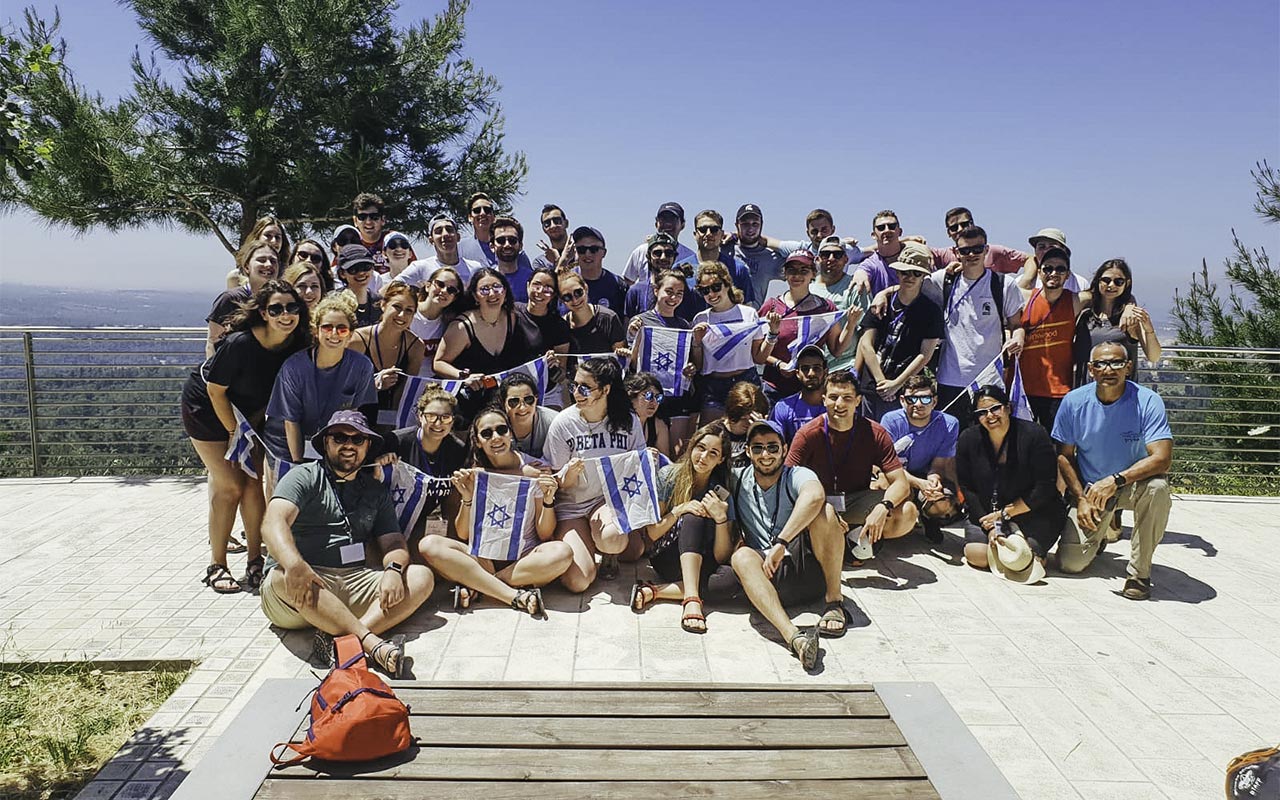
[{"x": 789, "y": 449}]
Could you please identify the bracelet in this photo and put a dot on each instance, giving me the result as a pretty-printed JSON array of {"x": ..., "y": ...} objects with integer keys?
[
  {"x": 771, "y": 337},
  {"x": 466, "y": 502},
  {"x": 724, "y": 521},
  {"x": 545, "y": 504},
  {"x": 778, "y": 540}
]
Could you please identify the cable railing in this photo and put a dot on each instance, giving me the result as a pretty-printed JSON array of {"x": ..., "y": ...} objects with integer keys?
[{"x": 104, "y": 401}]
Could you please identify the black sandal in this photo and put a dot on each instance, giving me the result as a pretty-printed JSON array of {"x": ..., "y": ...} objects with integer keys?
[
  {"x": 638, "y": 601},
  {"x": 462, "y": 597},
  {"x": 804, "y": 646},
  {"x": 388, "y": 654},
  {"x": 217, "y": 574},
  {"x": 234, "y": 545},
  {"x": 834, "y": 611},
  {"x": 528, "y": 601}
]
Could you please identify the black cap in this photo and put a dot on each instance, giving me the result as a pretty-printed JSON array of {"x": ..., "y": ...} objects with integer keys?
[
  {"x": 660, "y": 238},
  {"x": 672, "y": 208},
  {"x": 748, "y": 208},
  {"x": 583, "y": 231},
  {"x": 352, "y": 254}
]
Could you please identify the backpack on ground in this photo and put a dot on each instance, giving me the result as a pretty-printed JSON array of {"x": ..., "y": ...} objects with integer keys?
[
  {"x": 1254, "y": 775},
  {"x": 354, "y": 714}
]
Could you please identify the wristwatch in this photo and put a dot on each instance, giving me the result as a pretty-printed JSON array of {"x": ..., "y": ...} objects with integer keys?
[
  {"x": 888, "y": 505},
  {"x": 1119, "y": 479},
  {"x": 1004, "y": 515},
  {"x": 396, "y": 566}
]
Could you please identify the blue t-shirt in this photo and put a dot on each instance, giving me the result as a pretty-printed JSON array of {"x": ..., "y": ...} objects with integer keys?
[
  {"x": 519, "y": 281},
  {"x": 477, "y": 250},
  {"x": 607, "y": 291},
  {"x": 1110, "y": 438},
  {"x": 763, "y": 513},
  {"x": 937, "y": 439},
  {"x": 792, "y": 411},
  {"x": 308, "y": 395}
]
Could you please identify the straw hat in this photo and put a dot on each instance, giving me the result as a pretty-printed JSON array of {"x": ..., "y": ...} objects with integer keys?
[{"x": 1011, "y": 557}]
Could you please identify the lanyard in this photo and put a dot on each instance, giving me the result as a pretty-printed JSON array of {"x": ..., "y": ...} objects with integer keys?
[
  {"x": 337, "y": 498},
  {"x": 952, "y": 308},
  {"x": 831, "y": 456},
  {"x": 998, "y": 469},
  {"x": 763, "y": 499}
]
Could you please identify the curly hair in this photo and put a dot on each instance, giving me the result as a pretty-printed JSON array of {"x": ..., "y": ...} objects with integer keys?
[{"x": 251, "y": 313}]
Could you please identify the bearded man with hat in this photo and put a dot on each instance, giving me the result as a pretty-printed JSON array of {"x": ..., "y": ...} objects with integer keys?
[{"x": 321, "y": 519}]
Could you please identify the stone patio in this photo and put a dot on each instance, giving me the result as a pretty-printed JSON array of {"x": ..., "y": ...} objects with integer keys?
[{"x": 1074, "y": 691}]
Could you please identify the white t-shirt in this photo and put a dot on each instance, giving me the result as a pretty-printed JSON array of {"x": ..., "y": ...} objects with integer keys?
[
  {"x": 972, "y": 323},
  {"x": 637, "y": 268},
  {"x": 571, "y": 436},
  {"x": 430, "y": 331},
  {"x": 417, "y": 273},
  {"x": 739, "y": 358}
]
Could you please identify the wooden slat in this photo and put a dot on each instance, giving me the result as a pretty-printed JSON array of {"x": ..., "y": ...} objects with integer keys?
[
  {"x": 712, "y": 733},
  {"x": 640, "y": 703},
  {"x": 528, "y": 764},
  {"x": 895, "y": 789}
]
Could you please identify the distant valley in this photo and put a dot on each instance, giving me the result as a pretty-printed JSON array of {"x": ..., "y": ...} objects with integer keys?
[{"x": 21, "y": 304}]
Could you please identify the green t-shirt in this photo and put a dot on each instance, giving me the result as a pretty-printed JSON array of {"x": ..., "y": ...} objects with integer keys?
[
  {"x": 321, "y": 527},
  {"x": 841, "y": 294}
]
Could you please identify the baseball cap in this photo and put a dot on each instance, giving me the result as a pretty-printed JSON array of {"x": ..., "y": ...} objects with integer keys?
[
  {"x": 748, "y": 208},
  {"x": 913, "y": 257},
  {"x": 766, "y": 425},
  {"x": 341, "y": 229},
  {"x": 799, "y": 257},
  {"x": 431, "y": 223},
  {"x": 657, "y": 239},
  {"x": 811, "y": 350},
  {"x": 831, "y": 241},
  {"x": 352, "y": 254},
  {"x": 583, "y": 231},
  {"x": 672, "y": 208},
  {"x": 1052, "y": 234}
]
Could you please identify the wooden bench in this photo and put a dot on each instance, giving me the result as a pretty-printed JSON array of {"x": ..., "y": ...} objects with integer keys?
[{"x": 494, "y": 742}]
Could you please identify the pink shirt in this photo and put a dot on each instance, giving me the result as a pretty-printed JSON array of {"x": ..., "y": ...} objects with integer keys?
[{"x": 999, "y": 258}]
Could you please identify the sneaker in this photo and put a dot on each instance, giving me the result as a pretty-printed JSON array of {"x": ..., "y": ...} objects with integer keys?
[
  {"x": 1137, "y": 588},
  {"x": 322, "y": 652}
]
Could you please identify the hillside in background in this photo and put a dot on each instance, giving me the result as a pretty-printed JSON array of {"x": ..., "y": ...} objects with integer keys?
[{"x": 80, "y": 308}]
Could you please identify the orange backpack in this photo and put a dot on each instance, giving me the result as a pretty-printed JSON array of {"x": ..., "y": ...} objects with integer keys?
[{"x": 354, "y": 714}]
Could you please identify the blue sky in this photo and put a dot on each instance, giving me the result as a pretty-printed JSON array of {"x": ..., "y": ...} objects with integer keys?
[{"x": 1131, "y": 127}]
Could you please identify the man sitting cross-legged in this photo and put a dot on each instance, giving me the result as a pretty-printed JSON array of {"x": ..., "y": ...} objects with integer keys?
[
  {"x": 793, "y": 542},
  {"x": 319, "y": 520}
]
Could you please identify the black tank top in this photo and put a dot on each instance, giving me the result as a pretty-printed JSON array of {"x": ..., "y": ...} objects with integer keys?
[{"x": 515, "y": 350}]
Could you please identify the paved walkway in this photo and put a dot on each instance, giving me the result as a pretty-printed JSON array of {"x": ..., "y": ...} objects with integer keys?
[{"x": 1074, "y": 691}]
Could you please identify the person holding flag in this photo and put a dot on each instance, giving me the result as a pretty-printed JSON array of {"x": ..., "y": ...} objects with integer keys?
[
  {"x": 660, "y": 345},
  {"x": 512, "y": 517},
  {"x": 719, "y": 334},
  {"x": 599, "y": 423},
  {"x": 432, "y": 448}
]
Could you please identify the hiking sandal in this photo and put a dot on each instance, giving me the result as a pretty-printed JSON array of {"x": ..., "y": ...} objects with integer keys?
[
  {"x": 804, "y": 646},
  {"x": 218, "y": 578},
  {"x": 234, "y": 545},
  {"x": 638, "y": 601},
  {"x": 692, "y": 616},
  {"x": 528, "y": 601},
  {"x": 835, "y": 612},
  {"x": 253, "y": 573},
  {"x": 462, "y": 597},
  {"x": 388, "y": 654}
]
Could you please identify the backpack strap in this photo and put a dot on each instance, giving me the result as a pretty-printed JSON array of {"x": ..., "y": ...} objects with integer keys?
[
  {"x": 347, "y": 650},
  {"x": 283, "y": 759},
  {"x": 997, "y": 297}
]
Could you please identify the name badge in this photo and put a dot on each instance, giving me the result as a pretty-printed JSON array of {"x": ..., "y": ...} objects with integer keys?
[
  {"x": 435, "y": 527},
  {"x": 352, "y": 553},
  {"x": 836, "y": 501}
]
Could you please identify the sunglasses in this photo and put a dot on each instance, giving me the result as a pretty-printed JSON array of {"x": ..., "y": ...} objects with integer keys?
[
  {"x": 314, "y": 258},
  {"x": 444, "y": 287},
  {"x": 329, "y": 327},
  {"x": 981, "y": 413},
  {"x": 828, "y": 254},
  {"x": 514, "y": 402},
  {"x": 443, "y": 230},
  {"x": 347, "y": 238},
  {"x": 497, "y": 430},
  {"x": 661, "y": 252},
  {"x": 358, "y": 269},
  {"x": 583, "y": 249},
  {"x": 1110, "y": 363},
  {"x": 398, "y": 244},
  {"x": 959, "y": 226},
  {"x": 574, "y": 295},
  {"x": 971, "y": 250},
  {"x": 886, "y": 226},
  {"x": 708, "y": 229},
  {"x": 917, "y": 399},
  {"x": 276, "y": 309},
  {"x": 651, "y": 396},
  {"x": 491, "y": 289},
  {"x": 581, "y": 389},
  {"x": 549, "y": 221},
  {"x": 796, "y": 271},
  {"x": 349, "y": 438},
  {"x": 711, "y": 288},
  {"x": 479, "y": 210},
  {"x": 761, "y": 449},
  {"x": 364, "y": 216},
  {"x": 432, "y": 418},
  {"x": 506, "y": 240},
  {"x": 1108, "y": 281},
  {"x": 1055, "y": 270}
]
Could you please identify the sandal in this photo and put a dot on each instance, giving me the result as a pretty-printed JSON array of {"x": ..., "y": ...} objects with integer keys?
[
  {"x": 462, "y": 597},
  {"x": 218, "y": 578},
  {"x": 804, "y": 646},
  {"x": 234, "y": 545},
  {"x": 388, "y": 654},
  {"x": 834, "y": 620},
  {"x": 253, "y": 573},
  {"x": 528, "y": 601},
  {"x": 691, "y": 617},
  {"x": 638, "y": 601}
]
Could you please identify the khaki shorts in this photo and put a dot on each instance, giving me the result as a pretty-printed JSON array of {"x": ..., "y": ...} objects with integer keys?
[
  {"x": 355, "y": 587},
  {"x": 857, "y": 505}
]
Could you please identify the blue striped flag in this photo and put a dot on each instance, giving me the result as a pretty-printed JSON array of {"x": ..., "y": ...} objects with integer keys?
[
  {"x": 663, "y": 352},
  {"x": 500, "y": 512},
  {"x": 240, "y": 447},
  {"x": 723, "y": 337},
  {"x": 1018, "y": 396},
  {"x": 630, "y": 488},
  {"x": 406, "y": 414},
  {"x": 810, "y": 330},
  {"x": 276, "y": 468},
  {"x": 992, "y": 373},
  {"x": 536, "y": 369},
  {"x": 410, "y": 489}
]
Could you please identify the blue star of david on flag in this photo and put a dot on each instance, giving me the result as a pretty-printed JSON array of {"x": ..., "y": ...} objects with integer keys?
[
  {"x": 663, "y": 352},
  {"x": 501, "y": 512},
  {"x": 629, "y": 482},
  {"x": 662, "y": 361},
  {"x": 631, "y": 485},
  {"x": 398, "y": 496},
  {"x": 499, "y": 516}
]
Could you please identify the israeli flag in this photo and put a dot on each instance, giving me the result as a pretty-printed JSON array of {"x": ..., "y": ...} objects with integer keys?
[
  {"x": 630, "y": 488},
  {"x": 276, "y": 469},
  {"x": 992, "y": 373},
  {"x": 1018, "y": 396},
  {"x": 664, "y": 353},
  {"x": 500, "y": 512},
  {"x": 723, "y": 337},
  {"x": 406, "y": 414},
  {"x": 536, "y": 369},
  {"x": 240, "y": 448},
  {"x": 410, "y": 489},
  {"x": 810, "y": 330}
]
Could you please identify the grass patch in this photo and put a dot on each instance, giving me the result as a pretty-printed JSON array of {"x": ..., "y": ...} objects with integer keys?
[{"x": 60, "y": 723}]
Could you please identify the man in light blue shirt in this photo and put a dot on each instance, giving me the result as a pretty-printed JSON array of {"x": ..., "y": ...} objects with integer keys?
[{"x": 1115, "y": 448}]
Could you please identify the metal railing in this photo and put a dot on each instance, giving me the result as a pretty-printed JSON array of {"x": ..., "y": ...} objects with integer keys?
[{"x": 104, "y": 401}]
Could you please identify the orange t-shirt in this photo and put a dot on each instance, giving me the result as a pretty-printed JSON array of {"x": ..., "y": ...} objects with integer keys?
[{"x": 1047, "y": 358}]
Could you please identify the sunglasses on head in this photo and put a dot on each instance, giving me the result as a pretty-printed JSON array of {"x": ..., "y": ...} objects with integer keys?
[
  {"x": 917, "y": 399},
  {"x": 356, "y": 439},
  {"x": 581, "y": 389},
  {"x": 959, "y": 226},
  {"x": 886, "y": 226},
  {"x": 398, "y": 244},
  {"x": 549, "y": 221},
  {"x": 711, "y": 288},
  {"x": 1109, "y": 363},
  {"x": 981, "y": 413},
  {"x": 433, "y": 418},
  {"x": 1109, "y": 281},
  {"x": 276, "y": 309},
  {"x": 971, "y": 250},
  {"x": 651, "y": 396},
  {"x": 314, "y": 258},
  {"x": 583, "y": 249},
  {"x": 761, "y": 449},
  {"x": 478, "y": 210},
  {"x": 505, "y": 240},
  {"x": 497, "y": 430},
  {"x": 364, "y": 216},
  {"x": 573, "y": 295},
  {"x": 708, "y": 229},
  {"x": 528, "y": 400},
  {"x": 329, "y": 327},
  {"x": 444, "y": 287}
]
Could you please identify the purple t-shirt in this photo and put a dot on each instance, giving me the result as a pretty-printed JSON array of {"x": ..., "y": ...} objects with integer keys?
[
  {"x": 792, "y": 411},
  {"x": 937, "y": 439},
  {"x": 308, "y": 395}
]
